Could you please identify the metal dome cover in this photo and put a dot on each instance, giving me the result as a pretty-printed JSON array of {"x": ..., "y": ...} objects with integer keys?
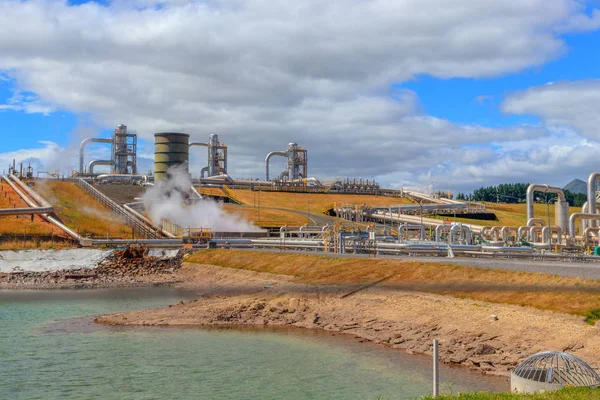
[{"x": 555, "y": 367}]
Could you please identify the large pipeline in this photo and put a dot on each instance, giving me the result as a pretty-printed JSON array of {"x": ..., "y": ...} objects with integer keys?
[
  {"x": 94, "y": 163},
  {"x": 82, "y": 149},
  {"x": 562, "y": 206},
  {"x": 41, "y": 202},
  {"x": 271, "y": 154},
  {"x": 574, "y": 216}
]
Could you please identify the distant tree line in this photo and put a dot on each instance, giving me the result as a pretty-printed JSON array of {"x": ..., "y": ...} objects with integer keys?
[{"x": 516, "y": 193}]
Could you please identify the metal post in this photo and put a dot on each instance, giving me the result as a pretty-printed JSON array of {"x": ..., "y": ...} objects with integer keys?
[{"x": 436, "y": 369}]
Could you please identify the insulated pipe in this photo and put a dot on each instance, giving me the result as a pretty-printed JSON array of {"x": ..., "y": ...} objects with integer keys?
[
  {"x": 4, "y": 212},
  {"x": 271, "y": 154},
  {"x": 485, "y": 232},
  {"x": 541, "y": 188},
  {"x": 588, "y": 231},
  {"x": 82, "y": 149},
  {"x": 203, "y": 171},
  {"x": 36, "y": 197},
  {"x": 438, "y": 231},
  {"x": 122, "y": 177},
  {"x": 591, "y": 195},
  {"x": 574, "y": 216},
  {"x": 461, "y": 228},
  {"x": 533, "y": 233},
  {"x": 41, "y": 202},
  {"x": 505, "y": 230},
  {"x": 533, "y": 221},
  {"x": 547, "y": 232},
  {"x": 496, "y": 232},
  {"x": 523, "y": 232},
  {"x": 98, "y": 162}
]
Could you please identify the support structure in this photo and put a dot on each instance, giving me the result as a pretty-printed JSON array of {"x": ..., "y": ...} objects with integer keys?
[
  {"x": 297, "y": 163},
  {"x": 123, "y": 152},
  {"x": 217, "y": 156}
]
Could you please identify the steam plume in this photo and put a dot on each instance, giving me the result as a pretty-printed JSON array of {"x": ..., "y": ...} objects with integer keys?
[{"x": 169, "y": 199}]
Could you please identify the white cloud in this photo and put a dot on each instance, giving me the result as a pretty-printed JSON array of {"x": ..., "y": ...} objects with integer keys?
[
  {"x": 562, "y": 104},
  {"x": 263, "y": 73}
]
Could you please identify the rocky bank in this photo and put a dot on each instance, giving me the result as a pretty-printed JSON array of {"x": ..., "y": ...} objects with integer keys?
[{"x": 490, "y": 338}]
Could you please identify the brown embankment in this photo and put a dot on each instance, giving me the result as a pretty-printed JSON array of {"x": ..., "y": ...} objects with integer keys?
[{"x": 488, "y": 337}]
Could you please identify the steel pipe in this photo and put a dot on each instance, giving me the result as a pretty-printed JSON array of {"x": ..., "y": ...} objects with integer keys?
[
  {"x": 82, "y": 149},
  {"x": 545, "y": 189},
  {"x": 94, "y": 163},
  {"x": 574, "y": 216},
  {"x": 271, "y": 154}
]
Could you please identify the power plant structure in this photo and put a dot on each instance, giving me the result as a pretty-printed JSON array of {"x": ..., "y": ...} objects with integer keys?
[
  {"x": 170, "y": 149},
  {"x": 217, "y": 157},
  {"x": 123, "y": 153},
  {"x": 297, "y": 163}
]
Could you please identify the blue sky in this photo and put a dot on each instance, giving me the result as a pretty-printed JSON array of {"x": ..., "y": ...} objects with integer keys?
[{"x": 407, "y": 92}]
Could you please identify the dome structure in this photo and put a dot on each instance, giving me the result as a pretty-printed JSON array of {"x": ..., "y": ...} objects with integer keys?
[{"x": 551, "y": 370}]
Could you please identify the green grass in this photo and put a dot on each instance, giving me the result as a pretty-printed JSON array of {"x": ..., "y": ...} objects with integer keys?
[
  {"x": 592, "y": 316},
  {"x": 564, "y": 394}
]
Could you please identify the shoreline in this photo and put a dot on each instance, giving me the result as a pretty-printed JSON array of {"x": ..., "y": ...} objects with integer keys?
[{"x": 409, "y": 321}]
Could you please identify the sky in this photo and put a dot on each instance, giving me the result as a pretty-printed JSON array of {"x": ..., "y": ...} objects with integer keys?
[{"x": 411, "y": 93}]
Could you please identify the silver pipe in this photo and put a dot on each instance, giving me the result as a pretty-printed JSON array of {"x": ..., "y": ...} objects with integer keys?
[
  {"x": 98, "y": 162},
  {"x": 25, "y": 211},
  {"x": 523, "y": 231},
  {"x": 41, "y": 202},
  {"x": 591, "y": 195},
  {"x": 574, "y": 216},
  {"x": 82, "y": 149},
  {"x": 547, "y": 232},
  {"x": 203, "y": 171},
  {"x": 34, "y": 195},
  {"x": 533, "y": 233},
  {"x": 590, "y": 230},
  {"x": 122, "y": 177},
  {"x": 541, "y": 188},
  {"x": 533, "y": 221},
  {"x": 506, "y": 230},
  {"x": 271, "y": 154}
]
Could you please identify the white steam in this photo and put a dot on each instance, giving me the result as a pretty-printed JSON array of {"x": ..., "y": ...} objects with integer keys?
[{"x": 168, "y": 199}]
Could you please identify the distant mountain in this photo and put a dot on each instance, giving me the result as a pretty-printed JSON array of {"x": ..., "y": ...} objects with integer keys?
[{"x": 576, "y": 186}]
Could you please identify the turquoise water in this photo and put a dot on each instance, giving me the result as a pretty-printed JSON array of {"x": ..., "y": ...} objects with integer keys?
[{"x": 50, "y": 349}]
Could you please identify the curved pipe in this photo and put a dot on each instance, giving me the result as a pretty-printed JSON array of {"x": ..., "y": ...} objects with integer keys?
[
  {"x": 123, "y": 177},
  {"x": 523, "y": 232},
  {"x": 547, "y": 232},
  {"x": 506, "y": 230},
  {"x": 574, "y": 216},
  {"x": 203, "y": 171},
  {"x": 82, "y": 149},
  {"x": 271, "y": 154},
  {"x": 533, "y": 221},
  {"x": 461, "y": 228},
  {"x": 591, "y": 195},
  {"x": 541, "y": 188},
  {"x": 98, "y": 162},
  {"x": 533, "y": 233},
  {"x": 438, "y": 231},
  {"x": 198, "y": 144},
  {"x": 588, "y": 231}
]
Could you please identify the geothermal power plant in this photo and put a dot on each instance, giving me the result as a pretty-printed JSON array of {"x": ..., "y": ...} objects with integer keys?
[{"x": 410, "y": 223}]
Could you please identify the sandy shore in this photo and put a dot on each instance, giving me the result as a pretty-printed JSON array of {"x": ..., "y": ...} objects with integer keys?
[{"x": 486, "y": 337}]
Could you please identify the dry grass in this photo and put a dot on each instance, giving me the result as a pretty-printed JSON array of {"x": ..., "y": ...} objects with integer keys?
[
  {"x": 34, "y": 244},
  {"x": 277, "y": 217},
  {"x": 569, "y": 295},
  {"x": 80, "y": 211},
  {"x": 318, "y": 201},
  {"x": 23, "y": 224},
  {"x": 513, "y": 214}
]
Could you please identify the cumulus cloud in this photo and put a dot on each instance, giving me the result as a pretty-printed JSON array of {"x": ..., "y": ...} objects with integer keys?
[
  {"x": 263, "y": 73},
  {"x": 562, "y": 104}
]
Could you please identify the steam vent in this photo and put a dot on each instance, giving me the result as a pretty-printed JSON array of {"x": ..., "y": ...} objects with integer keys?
[
  {"x": 551, "y": 370},
  {"x": 170, "y": 149}
]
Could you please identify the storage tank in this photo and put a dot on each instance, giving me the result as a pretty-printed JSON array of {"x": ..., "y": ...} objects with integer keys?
[
  {"x": 551, "y": 370},
  {"x": 170, "y": 149}
]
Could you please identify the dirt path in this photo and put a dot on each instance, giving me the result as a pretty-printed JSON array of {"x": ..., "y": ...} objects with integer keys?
[{"x": 487, "y": 337}]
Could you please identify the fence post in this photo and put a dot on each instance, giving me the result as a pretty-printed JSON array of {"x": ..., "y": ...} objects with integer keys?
[{"x": 436, "y": 369}]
